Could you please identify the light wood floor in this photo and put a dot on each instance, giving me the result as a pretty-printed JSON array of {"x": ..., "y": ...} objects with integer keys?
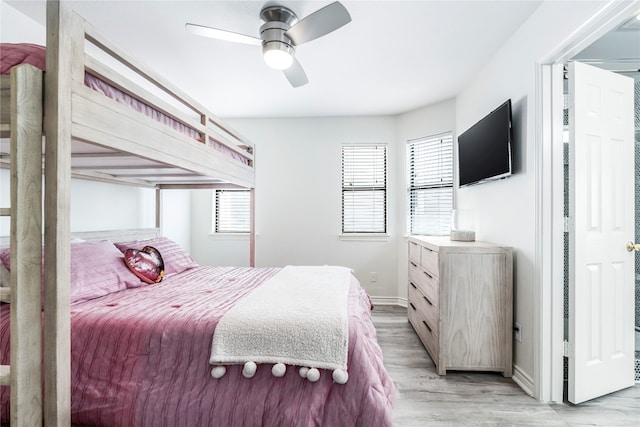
[{"x": 478, "y": 399}]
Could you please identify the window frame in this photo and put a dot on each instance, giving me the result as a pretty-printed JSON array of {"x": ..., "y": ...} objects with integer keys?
[
  {"x": 439, "y": 229},
  {"x": 371, "y": 233},
  {"x": 215, "y": 230}
]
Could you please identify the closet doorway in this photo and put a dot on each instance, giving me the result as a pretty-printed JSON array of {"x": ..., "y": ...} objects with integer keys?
[
  {"x": 613, "y": 64},
  {"x": 615, "y": 20}
]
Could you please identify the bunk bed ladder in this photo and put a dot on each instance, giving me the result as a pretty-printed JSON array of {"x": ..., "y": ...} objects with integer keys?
[{"x": 24, "y": 374}]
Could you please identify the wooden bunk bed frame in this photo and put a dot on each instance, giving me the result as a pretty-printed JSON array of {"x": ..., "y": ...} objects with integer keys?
[{"x": 87, "y": 136}]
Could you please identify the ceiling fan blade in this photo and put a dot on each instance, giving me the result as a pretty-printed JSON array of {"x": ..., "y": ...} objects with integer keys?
[
  {"x": 319, "y": 23},
  {"x": 295, "y": 74},
  {"x": 215, "y": 33}
]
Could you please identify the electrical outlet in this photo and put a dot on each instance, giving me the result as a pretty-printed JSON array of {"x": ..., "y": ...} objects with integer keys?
[
  {"x": 373, "y": 277},
  {"x": 518, "y": 332}
]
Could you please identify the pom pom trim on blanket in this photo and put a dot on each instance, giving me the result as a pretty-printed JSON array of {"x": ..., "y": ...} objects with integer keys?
[{"x": 278, "y": 370}]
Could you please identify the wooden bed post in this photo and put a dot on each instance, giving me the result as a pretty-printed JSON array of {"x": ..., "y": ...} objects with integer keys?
[
  {"x": 65, "y": 49},
  {"x": 159, "y": 209},
  {"x": 26, "y": 246}
]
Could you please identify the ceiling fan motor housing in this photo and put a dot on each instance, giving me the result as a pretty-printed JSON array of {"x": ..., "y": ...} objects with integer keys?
[{"x": 278, "y": 20}]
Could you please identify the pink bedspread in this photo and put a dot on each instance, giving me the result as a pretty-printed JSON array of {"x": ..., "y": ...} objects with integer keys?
[
  {"x": 12, "y": 54},
  {"x": 140, "y": 358}
]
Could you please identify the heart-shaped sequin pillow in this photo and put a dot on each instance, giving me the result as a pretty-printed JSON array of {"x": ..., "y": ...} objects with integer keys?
[{"x": 146, "y": 263}]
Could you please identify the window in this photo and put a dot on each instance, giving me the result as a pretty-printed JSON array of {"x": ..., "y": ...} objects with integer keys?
[
  {"x": 364, "y": 188},
  {"x": 232, "y": 211},
  {"x": 430, "y": 175}
]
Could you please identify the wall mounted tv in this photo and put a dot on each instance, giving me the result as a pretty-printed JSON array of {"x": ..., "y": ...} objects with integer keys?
[{"x": 484, "y": 150}]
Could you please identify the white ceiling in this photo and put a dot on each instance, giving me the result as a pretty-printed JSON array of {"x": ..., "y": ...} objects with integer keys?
[{"x": 393, "y": 57}]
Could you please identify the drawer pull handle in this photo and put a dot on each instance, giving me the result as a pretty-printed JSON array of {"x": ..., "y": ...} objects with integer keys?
[
  {"x": 412, "y": 285},
  {"x": 412, "y": 306},
  {"x": 428, "y": 275},
  {"x": 413, "y": 264},
  {"x": 427, "y": 300},
  {"x": 427, "y": 325}
]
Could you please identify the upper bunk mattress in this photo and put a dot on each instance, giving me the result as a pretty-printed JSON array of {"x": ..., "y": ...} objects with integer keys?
[{"x": 12, "y": 54}]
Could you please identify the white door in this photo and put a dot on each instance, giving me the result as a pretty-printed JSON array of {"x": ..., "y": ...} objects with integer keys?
[{"x": 601, "y": 273}]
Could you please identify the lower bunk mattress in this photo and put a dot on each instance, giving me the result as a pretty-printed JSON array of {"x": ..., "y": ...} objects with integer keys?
[{"x": 140, "y": 357}]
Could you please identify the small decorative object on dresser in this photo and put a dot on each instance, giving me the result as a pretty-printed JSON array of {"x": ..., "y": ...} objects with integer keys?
[
  {"x": 461, "y": 303},
  {"x": 462, "y": 226}
]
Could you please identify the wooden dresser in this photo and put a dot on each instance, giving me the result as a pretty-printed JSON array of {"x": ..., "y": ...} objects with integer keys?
[{"x": 461, "y": 303}]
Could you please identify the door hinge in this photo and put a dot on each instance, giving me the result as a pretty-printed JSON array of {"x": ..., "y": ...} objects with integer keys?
[
  {"x": 567, "y": 224},
  {"x": 565, "y": 348}
]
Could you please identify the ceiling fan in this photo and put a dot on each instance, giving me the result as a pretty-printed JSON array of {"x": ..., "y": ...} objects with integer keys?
[{"x": 281, "y": 33}]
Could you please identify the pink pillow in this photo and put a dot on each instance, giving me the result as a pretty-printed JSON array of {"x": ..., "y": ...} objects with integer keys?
[
  {"x": 97, "y": 269},
  {"x": 176, "y": 259}
]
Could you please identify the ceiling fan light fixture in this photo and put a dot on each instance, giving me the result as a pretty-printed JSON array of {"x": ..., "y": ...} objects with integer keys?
[{"x": 277, "y": 55}]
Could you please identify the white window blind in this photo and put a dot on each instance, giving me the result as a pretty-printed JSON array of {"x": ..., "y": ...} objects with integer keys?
[
  {"x": 364, "y": 188},
  {"x": 232, "y": 211},
  {"x": 430, "y": 166}
]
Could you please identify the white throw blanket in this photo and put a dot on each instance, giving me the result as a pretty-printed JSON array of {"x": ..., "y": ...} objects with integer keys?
[{"x": 297, "y": 317}]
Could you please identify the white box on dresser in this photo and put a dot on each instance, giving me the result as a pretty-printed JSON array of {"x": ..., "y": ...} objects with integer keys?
[{"x": 461, "y": 303}]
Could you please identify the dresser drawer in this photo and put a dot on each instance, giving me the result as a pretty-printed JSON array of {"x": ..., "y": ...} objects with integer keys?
[
  {"x": 427, "y": 284},
  {"x": 415, "y": 272},
  {"x": 425, "y": 333},
  {"x": 429, "y": 260},
  {"x": 425, "y": 308},
  {"x": 414, "y": 252}
]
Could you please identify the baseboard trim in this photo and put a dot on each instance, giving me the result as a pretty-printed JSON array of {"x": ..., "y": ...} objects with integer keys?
[
  {"x": 389, "y": 301},
  {"x": 523, "y": 380}
]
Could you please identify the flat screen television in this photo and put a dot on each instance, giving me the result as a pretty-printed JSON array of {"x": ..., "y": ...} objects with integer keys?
[{"x": 484, "y": 150}]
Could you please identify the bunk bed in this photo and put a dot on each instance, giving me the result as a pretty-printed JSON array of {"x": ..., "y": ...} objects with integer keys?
[{"x": 91, "y": 135}]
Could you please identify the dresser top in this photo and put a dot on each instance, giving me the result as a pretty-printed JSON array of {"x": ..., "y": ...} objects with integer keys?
[{"x": 437, "y": 242}]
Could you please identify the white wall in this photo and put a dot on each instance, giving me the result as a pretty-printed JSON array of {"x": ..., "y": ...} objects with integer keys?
[
  {"x": 16, "y": 27},
  {"x": 505, "y": 211},
  {"x": 97, "y": 205},
  {"x": 176, "y": 216},
  {"x": 102, "y": 206},
  {"x": 298, "y": 200}
]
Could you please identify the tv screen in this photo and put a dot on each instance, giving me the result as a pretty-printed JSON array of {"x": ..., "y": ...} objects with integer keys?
[{"x": 484, "y": 150}]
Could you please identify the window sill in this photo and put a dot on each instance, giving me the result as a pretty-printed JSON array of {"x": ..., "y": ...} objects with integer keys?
[
  {"x": 365, "y": 237},
  {"x": 229, "y": 236}
]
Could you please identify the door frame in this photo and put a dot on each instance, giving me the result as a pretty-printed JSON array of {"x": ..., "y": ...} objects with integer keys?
[{"x": 549, "y": 247}]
